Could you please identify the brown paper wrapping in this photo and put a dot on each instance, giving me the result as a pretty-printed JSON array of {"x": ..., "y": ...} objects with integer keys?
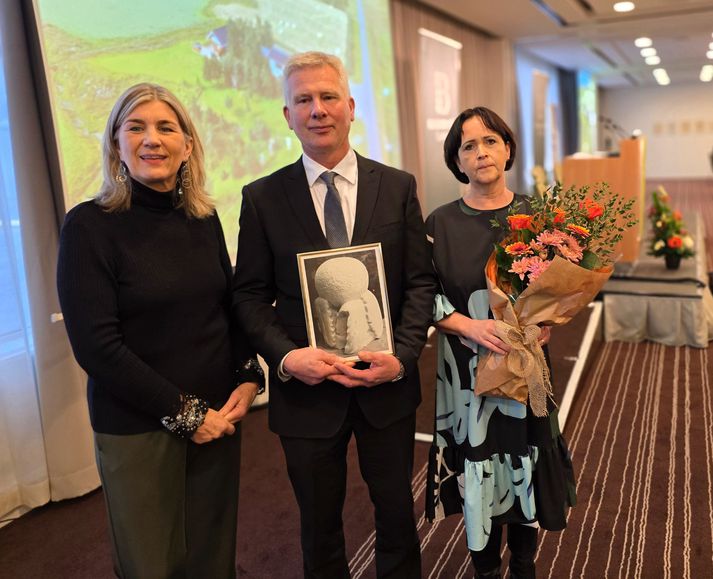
[{"x": 553, "y": 299}]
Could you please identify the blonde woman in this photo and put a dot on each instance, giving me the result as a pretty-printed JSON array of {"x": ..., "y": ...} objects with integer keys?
[{"x": 144, "y": 283}]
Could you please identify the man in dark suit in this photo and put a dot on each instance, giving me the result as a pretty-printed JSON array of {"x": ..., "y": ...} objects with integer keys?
[{"x": 317, "y": 401}]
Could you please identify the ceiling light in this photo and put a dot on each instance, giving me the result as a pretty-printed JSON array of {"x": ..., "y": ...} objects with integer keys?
[
  {"x": 661, "y": 76},
  {"x": 652, "y": 60},
  {"x": 706, "y": 73},
  {"x": 642, "y": 42},
  {"x": 650, "y": 51},
  {"x": 624, "y": 7},
  {"x": 710, "y": 46},
  {"x": 709, "y": 54}
]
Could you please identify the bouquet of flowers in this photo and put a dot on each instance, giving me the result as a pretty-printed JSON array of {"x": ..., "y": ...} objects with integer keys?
[
  {"x": 669, "y": 236},
  {"x": 549, "y": 265}
]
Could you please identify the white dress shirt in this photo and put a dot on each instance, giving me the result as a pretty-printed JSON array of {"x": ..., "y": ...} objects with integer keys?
[{"x": 345, "y": 182}]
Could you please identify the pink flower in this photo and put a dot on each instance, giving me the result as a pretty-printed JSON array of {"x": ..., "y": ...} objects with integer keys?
[
  {"x": 530, "y": 266},
  {"x": 537, "y": 267},
  {"x": 538, "y": 249},
  {"x": 572, "y": 250},
  {"x": 554, "y": 238}
]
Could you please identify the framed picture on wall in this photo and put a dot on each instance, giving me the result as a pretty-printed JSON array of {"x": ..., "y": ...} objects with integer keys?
[{"x": 345, "y": 300}]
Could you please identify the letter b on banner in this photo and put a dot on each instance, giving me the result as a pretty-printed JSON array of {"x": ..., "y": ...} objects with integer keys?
[{"x": 440, "y": 103}]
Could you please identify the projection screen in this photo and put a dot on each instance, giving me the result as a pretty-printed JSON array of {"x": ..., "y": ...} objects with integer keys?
[{"x": 224, "y": 61}]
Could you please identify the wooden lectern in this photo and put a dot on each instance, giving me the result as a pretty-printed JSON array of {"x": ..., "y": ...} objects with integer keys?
[{"x": 625, "y": 176}]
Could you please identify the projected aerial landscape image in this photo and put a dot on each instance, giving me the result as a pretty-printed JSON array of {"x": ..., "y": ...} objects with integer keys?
[{"x": 224, "y": 62}]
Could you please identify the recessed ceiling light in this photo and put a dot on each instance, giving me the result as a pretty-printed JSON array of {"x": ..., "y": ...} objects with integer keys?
[
  {"x": 624, "y": 6},
  {"x": 706, "y": 73},
  {"x": 652, "y": 60},
  {"x": 650, "y": 51},
  {"x": 642, "y": 42},
  {"x": 709, "y": 54},
  {"x": 661, "y": 76}
]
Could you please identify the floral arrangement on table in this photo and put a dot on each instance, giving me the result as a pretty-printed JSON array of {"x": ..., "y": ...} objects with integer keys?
[
  {"x": 669, "y": 237},
  {"x": 548, "y": 266}
]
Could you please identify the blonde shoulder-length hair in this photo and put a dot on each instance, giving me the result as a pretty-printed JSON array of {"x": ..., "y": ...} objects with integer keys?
[{"x": 115, "y": 195}]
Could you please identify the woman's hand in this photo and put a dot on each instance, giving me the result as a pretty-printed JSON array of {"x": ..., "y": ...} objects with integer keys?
[
  {"x": 545, "y": 335},
  {"x": 483, "y": 332},
  {"x": 239, "y": 402},
  {"x": 214, "y": 426}
]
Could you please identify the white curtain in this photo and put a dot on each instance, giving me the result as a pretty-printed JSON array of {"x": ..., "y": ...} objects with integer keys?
[{"x": 46, "y": 449}]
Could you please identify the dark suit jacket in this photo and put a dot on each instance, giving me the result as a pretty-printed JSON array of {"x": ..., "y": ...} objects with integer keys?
[{"x": 277, "y": 221}]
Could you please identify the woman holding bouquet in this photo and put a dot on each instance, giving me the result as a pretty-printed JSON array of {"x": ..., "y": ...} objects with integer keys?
[{"x": 492, "y": 459}]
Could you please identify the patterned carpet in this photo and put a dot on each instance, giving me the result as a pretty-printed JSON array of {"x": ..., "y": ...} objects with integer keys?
[{"x": 641, "y": 436}]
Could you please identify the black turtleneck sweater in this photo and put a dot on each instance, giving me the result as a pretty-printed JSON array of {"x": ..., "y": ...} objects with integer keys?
[{"x": 145, "y": 295}]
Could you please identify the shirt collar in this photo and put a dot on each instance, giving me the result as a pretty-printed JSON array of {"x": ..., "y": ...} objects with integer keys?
[{"x": 346, "y": 168}]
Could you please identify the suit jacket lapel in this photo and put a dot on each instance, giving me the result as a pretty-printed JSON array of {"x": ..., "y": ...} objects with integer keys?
[
  {"x": 300, "y": 201},
  {"x": 367, "y": 194}
]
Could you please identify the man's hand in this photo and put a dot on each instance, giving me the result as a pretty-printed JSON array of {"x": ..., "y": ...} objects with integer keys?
[
  {"x": 310, "y": 365},
  {"x": 214, "y": 426},
  {"x": 382, "y": 368},
  {"x": 239, "y": 402}
]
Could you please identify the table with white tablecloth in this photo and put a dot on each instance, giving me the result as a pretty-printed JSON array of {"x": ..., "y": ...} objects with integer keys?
[{"x": 645, "y": 301}]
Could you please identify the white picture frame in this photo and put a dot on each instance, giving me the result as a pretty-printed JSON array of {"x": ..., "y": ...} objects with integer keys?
[{"x": 346, "y": 300}]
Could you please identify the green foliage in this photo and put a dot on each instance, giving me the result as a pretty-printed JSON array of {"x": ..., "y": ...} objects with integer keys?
[{"x": 590, "y": 260}]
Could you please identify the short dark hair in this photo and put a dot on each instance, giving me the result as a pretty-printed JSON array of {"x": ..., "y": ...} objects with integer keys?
[{"x": 454, "y": 138}]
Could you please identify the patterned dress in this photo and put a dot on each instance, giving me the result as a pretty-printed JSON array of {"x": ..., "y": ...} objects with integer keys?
[{"x": 492, "y": 460}]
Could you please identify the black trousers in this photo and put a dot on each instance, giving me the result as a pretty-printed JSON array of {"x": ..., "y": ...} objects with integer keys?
[
  {"x": 172, "y": 504},
  {"x": 317, "y": 468},
  {"x": 522, "y": 542}
]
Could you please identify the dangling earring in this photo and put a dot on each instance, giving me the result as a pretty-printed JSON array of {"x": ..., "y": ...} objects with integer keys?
[
  {"x": 121, "y": 179},
  {"x": 185, "y": 179},
  {"x": 121, "y": 175}
]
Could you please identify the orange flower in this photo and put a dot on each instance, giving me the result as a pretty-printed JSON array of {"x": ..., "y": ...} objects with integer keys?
[
  {"x": 579, "y": 230},
  {"x": 560, "y": 215},
  {"x": 594, "y": 210},
  {"x": 677, "y": 215},
  {"x": 517, "y": 248},
  {"x": 519, "y": 221},
  {"x": 674, "y": 242}
]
